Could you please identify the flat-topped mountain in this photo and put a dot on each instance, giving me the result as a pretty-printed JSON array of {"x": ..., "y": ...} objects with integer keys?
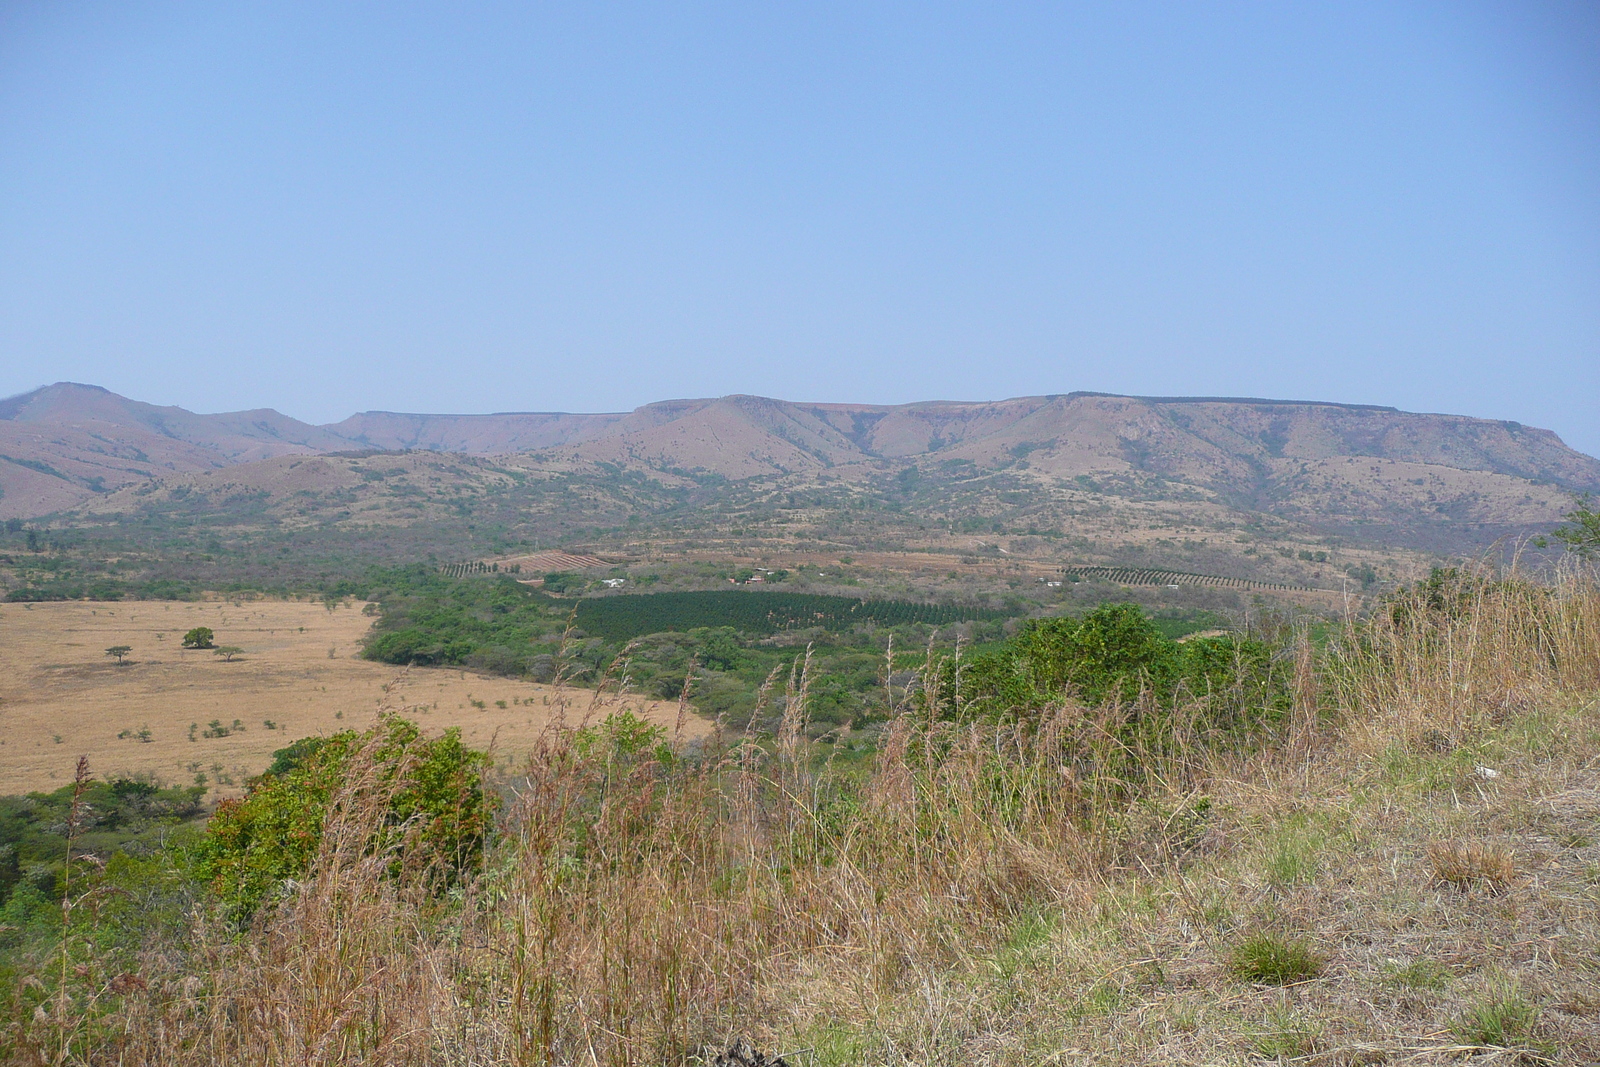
[{"x": 1322, "y": 465}]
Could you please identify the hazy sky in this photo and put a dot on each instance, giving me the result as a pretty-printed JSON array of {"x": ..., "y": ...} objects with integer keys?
[{"x": 332, "y": 207}]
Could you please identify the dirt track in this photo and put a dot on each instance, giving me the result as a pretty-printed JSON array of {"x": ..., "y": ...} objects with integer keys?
[{"x": 61, "y": 696}]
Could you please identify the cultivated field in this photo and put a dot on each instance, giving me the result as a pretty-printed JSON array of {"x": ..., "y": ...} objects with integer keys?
[{"x": 176, "y": 714}]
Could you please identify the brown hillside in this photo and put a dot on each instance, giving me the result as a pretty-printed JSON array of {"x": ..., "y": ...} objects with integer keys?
[
  {"x": 62, "y": 445},
  {"x": 1375, "y": 474}
]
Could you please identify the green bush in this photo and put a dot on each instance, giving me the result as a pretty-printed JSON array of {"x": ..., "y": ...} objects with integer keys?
[
  {"x": 253, "y": 845},
  {"x": 623, "y": 738}
]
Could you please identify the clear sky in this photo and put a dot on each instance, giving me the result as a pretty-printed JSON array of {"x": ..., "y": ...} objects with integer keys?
[{"x": 329, "y": 207}]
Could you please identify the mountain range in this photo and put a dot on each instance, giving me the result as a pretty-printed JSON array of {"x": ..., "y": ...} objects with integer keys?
[{"x": 79, "y": 448}]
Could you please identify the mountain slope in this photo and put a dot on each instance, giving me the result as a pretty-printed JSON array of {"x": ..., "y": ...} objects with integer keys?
[
  {"x": 1374, "y": 474},
  {"x": 65, "y": 443}
]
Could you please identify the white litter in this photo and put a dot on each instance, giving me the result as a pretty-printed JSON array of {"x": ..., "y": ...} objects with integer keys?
[{"x": 1486, "y": 772}]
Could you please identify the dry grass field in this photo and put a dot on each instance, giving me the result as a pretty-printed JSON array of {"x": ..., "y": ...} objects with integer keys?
[
  {"x": 61, "y": 696},
  {"x": 1404, "y": 870}
]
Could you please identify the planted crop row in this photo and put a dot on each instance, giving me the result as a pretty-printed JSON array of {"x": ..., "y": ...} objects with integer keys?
[
  {"x": 620, "y": 618},
  {"x": 1152, "y": 576}
]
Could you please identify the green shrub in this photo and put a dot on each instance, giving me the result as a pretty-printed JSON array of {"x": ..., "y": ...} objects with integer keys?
[
  {"x": 253, "y": 845},
  {"x": 1274, "y": 960},
  {"x": 122, "y": 815}
]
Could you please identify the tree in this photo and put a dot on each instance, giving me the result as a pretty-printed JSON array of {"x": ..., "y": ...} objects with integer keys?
[
  {"x": 119, "y": 651},
  {"x": 1582, "y": 534},
  {"x": 227, "y": 652},
  {"x": 199, "y": 637}
]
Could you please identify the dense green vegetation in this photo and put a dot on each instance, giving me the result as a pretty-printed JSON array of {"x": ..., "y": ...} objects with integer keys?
[
  {"x": 437, "y": 813},
  {"x": 491, "y": 623},
  {"x": 732, "y": 640},
  {"x": 619, "y": 618},
  {"x": 127, "y": 818},
  {"x": 1116, "y": 655}
]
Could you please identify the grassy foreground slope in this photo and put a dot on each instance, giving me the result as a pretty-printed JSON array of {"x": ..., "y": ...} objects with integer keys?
[{"x": 1402, "y": 868}]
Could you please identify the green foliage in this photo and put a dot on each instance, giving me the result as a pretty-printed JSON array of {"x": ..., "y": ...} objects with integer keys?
[
  {"x": 623, "y": 737},
  {"x": 119, "y": 651},
  {"x": 123, "y": 815},
  {"x": 565, "y": 582},
  {"x": 227, "y": 652},
  {"x": 1274, "y": 960},
  {"x": 199, "y": 637},
  {"x": 619, "y": 618},
  {"x": 1116, "y": 653},
  {"x": 1581, "y": 535},
  {"x": 252, "y": 846},
  {"x": 495, "y": 624}
]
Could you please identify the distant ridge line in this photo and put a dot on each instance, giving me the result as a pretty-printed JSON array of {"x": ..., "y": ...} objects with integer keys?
[{"x": 1237, "y": 400}]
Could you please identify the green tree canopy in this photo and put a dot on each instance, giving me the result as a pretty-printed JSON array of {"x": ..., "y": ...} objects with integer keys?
[
  {"x": 199, "y": 637},
  {"x": 1582, "y": 532}
]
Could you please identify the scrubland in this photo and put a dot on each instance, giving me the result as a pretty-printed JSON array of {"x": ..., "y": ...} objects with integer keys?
[{"x": 1398, "y": 864}]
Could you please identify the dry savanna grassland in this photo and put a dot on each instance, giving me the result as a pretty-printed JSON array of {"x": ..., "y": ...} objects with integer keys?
[
  {"x": 175, "y": 713},
  {"x": 1401, "y": 868}
]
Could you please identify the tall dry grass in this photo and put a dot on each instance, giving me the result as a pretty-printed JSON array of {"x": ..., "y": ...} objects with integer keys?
[
  {"x": 1479, "y": 645},
  {"x": 638, "y": 908}
]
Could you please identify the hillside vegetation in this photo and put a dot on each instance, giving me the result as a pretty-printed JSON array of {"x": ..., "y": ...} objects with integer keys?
[
  {"x": 1375, "y": 844},
  {"x": 1295, "y": 493}
]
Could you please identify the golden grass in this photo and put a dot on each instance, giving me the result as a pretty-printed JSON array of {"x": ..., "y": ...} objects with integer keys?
[
  {"x": 61, "y": 696},
  {"x": 976, "y": 896}
]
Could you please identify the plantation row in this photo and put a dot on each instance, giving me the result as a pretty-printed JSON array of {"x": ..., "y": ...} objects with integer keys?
[
  {"x": 1151, "y": 576},
  {"x": 463, "y": 570},
  {"x": 621, "y": 618}
]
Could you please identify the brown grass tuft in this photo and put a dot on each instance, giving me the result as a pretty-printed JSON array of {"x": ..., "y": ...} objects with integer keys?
[{"x": 1470, "y": 864}]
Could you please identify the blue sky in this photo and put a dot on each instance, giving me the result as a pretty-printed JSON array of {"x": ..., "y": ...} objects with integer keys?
[{"x": 333, "y": 207}]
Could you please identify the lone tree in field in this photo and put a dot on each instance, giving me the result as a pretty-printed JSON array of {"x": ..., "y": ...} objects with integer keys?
[
  {"x": 199, "y": 637},
  {"x": 119, "y": 651},
  {"x": 227, "y": 652}
]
